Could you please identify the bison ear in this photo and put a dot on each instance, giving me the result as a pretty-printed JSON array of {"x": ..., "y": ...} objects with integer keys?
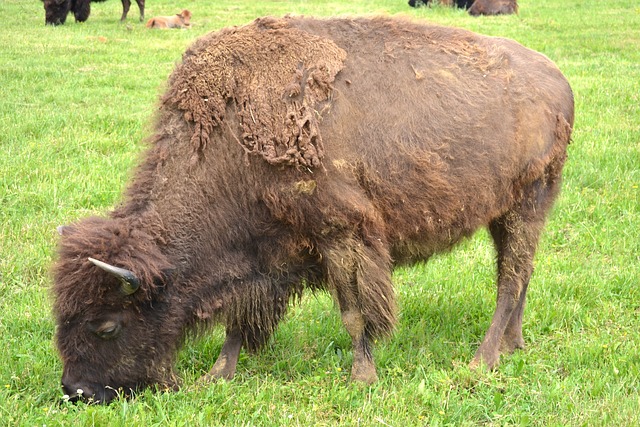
[
  {"x": 165, "y": 276},
  {"x": 129, "y": 282}
]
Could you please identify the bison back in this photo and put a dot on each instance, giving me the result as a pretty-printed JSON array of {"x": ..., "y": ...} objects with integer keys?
[
  {"x": 439, "y": 127},
  {"x": 422, "y": 132}
]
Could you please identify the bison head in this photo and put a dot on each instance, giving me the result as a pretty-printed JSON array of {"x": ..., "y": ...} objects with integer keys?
[
  {"x": 56, "y": 11},
  {"x": 112, "y": 311}
]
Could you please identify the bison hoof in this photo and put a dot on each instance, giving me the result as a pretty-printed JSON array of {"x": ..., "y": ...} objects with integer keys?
[
  {"x": 489, "y": 362},
  {"x": 211, "y": 377},
  {"x": 508, "y": 348},
  {"x": 511, "y": 344},
  {"x": 366, "y": 375},
  {"x": 217, "y": 373}
]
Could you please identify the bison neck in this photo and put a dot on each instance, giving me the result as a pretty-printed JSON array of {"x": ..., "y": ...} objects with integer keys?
[{"x": 209, "y": 220}]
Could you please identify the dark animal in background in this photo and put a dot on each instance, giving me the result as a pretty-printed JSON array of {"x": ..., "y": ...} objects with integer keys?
[
  {"x": 493, "y": 7},
  {"x": 462, "y": 4},
  {"x": 477, "y": 7},
  {"x": 181, "y": 20},
  {"x": 303, "y": 153},
  {"x": 56, "y": 11}
]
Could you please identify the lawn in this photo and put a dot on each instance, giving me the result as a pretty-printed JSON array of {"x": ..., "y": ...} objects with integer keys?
[{"x": 77, "y": 104}]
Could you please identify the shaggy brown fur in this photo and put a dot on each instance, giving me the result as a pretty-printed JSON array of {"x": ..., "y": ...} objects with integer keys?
[
  {"x": 281, "y": 132},
  {"x": 493, "y": 7},
  {"x": 313, "y": 153},
  {"x": 181, "y": 20}
]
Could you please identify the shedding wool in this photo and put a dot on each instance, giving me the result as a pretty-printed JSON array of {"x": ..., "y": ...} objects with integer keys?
[{"x": 279, "y": 104}]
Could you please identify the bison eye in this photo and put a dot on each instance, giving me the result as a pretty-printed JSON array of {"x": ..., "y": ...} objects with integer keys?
[{"x": 108, "y": 330}]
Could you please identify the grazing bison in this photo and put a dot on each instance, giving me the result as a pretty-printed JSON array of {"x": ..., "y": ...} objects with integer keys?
[
  {"x": 56, "y": 11},
  {"x": 302, "y": 153},
  {"x": 493, "y": 7},
  {"x": 462, "y": 4}
]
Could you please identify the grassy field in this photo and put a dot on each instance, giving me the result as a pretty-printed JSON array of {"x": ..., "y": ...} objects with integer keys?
[{"x": 76, "y": 104}]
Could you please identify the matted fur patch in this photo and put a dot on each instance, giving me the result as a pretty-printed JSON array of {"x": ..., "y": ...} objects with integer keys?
[{"x": 278, "y": 79}]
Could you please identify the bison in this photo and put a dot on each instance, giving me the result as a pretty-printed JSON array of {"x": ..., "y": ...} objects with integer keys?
[
  {"x": 56, "y": 11},
  {"x": 462, "y": 4},
  {"x": 301, "y": 153},
  {"x": 478, "y": 7},
  {"x": 180, "y": 20},
  {"x": 493, "y": 7}
]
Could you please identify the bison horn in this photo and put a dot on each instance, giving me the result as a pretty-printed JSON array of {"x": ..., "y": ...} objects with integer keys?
[{"x": 130, "y": 282}]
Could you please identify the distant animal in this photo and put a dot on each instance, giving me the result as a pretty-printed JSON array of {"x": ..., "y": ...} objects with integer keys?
[
  {"x": 493, "y": 7},
  {"x": 181, "y": 20},
  {"x": 56, "y": 11},
  {"x": 295, "y": 154},
  {"x": 462, "y": 4}
]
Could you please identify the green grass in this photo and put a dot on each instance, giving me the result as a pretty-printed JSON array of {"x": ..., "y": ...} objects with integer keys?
[{"x": 77, "y": 102}]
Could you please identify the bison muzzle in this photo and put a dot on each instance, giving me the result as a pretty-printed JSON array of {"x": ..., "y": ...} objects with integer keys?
[{"x": 297, "y": 154}]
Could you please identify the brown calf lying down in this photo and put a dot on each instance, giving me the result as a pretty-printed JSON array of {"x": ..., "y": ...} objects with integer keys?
[{"x": 181, "y": 20}]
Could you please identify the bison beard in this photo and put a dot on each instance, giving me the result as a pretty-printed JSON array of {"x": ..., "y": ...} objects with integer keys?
[
  {"x": 56, "y": 11},
  {"x": 302, "y": 153}
]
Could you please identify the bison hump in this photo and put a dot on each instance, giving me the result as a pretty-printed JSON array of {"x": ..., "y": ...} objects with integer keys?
[{"x": 278, "y": 79}]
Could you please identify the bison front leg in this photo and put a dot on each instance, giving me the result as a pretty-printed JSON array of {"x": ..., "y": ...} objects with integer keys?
[
  {"x": 141, "y": 7},
  {"x": 126, "y": 4},
  {"x": 363, "y": 368},
  {"x": 225, "y": 366},
  {"x": 360, "y": 279}
]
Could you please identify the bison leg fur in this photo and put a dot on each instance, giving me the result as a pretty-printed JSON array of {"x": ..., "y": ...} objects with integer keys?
[
  {"x": 516, "y": 236},
  {"x": 225, "y": 366},
  {"x": 141, "y": 7},
  {"x": 363, "y": 368},
  {"x": 126, "y": 4},
  {"x": 360, "y": 279},
  {"x": 515, "y": 243}
]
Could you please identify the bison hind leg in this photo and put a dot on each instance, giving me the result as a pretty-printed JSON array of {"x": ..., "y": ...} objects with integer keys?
[{"x": 516, "y": 235}]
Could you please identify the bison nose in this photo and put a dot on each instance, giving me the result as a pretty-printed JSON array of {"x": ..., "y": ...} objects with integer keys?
[
  {"x": 89, "y": 393},
  {"x": 77, "y": 391}
]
